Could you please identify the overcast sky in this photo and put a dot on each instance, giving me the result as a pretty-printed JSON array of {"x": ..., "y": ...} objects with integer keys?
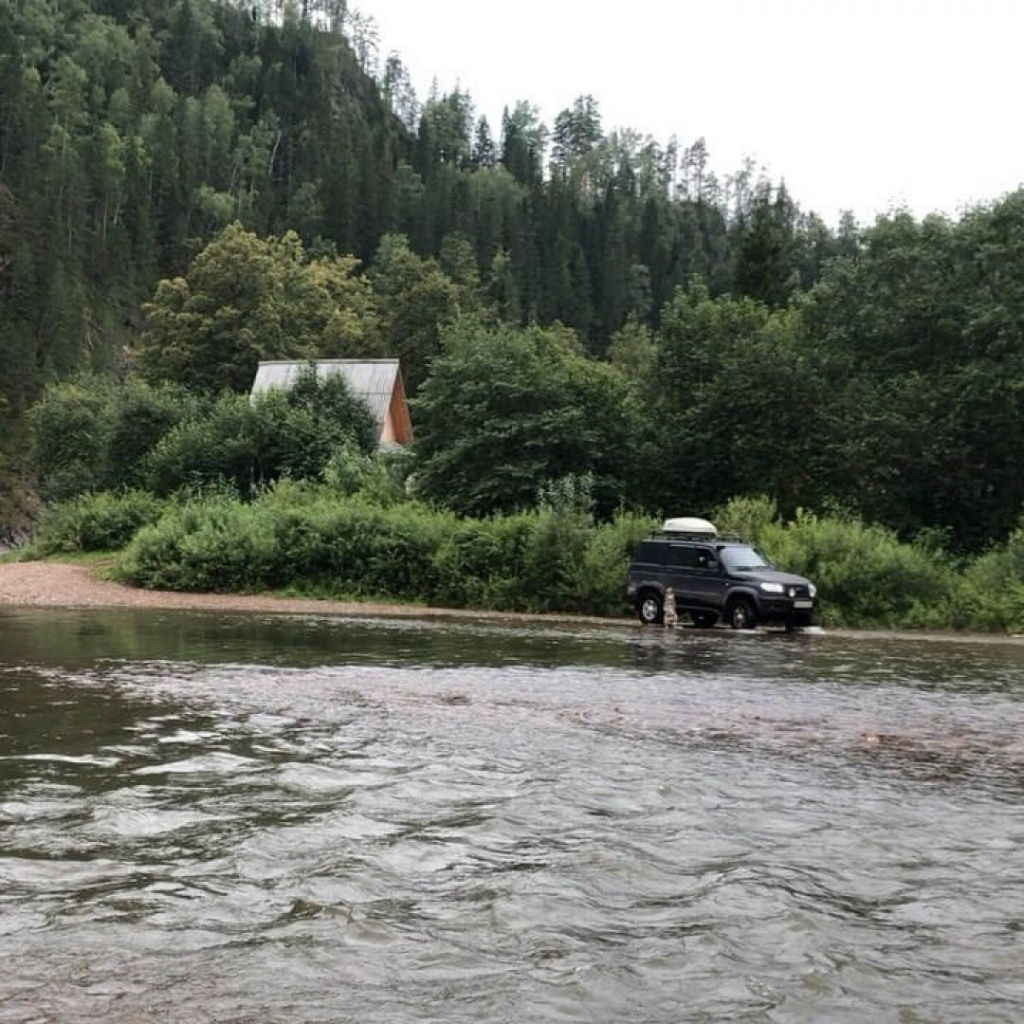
[{"x": 858, "y": 104}]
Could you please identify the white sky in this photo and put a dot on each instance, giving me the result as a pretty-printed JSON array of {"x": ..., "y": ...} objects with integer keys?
[{"x": 858, "y": 104}]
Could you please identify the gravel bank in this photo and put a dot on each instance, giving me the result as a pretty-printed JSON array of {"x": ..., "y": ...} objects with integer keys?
[{"x": 58, "y": 584}]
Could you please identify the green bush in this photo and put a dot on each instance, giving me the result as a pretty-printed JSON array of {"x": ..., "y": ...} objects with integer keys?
[
  {"x": 218, "y": 445},
  {"x": 554, "y": 548},
  {"x": 342, "y": 417},
  {"x": 93, "y": 434},
  {"x": 218, "y": 545},
  {"x": 300, "y": 550},
  {"x": 749, "y": 517},
  {"x": 96, "y": 434},
  {"x": 231, "y": 550},
  {"x": 70, "y": 429},
  {"x": 287, "y": 441},
  {"x": 356, "y": 548},
  {"x": 380, "y": 477},
  {"x": 140, "y": 415},
  {"x": 294, "y": 434},
  {"x": 103, "y": 521},
  {"x": 601, "y": 573},
  {"x": 304, "y": 537},
  {"x": 865, "y": 575},
  {"x": 478, "y": 563},
  {"x": 991, "y": 593}
]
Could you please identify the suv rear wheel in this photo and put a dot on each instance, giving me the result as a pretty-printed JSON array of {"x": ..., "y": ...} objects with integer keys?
[
  {"x": 742, "y": 614},
  {"x": 650, "y": 608}
]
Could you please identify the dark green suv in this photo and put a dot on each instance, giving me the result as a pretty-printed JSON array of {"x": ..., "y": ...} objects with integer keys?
[{"x": 714, "y": 578}]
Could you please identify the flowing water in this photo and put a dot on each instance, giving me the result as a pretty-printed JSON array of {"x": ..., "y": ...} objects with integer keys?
[{"x": 217, "y": 818}]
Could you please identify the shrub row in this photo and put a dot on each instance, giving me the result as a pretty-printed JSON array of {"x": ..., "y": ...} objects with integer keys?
[
  {"x": 306, "y": 539},
  {"x": 315, "y": 539}
]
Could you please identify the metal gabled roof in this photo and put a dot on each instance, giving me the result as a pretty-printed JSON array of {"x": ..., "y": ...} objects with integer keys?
[{"x": 372, "y": 380}]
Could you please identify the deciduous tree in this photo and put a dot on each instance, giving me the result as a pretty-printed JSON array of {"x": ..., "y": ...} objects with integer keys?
[{"x": 245, "y": 299}]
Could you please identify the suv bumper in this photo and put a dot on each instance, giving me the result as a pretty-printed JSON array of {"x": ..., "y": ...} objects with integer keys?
[{"x": 783, "y": 609}]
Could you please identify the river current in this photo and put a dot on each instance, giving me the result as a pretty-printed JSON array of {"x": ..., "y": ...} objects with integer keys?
[{"x": 213, "y": 818}]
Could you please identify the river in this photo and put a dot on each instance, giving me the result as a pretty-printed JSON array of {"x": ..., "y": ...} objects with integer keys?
[{"x": 254, "y": 818}]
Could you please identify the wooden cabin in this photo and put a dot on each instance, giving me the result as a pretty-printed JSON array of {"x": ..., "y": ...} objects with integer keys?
[{"x": 378, "y": 382}]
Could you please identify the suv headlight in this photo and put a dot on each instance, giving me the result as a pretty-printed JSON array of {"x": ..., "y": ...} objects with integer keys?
[
  {"x": 772, "y": 588},
  {"x": 812, "y": 590}
]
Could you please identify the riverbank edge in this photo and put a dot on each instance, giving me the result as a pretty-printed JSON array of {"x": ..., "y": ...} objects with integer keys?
[{"x": 54, "y": 584}]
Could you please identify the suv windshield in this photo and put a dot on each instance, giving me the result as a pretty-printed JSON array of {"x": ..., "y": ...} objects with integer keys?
[{"x": 742, "y": 558}]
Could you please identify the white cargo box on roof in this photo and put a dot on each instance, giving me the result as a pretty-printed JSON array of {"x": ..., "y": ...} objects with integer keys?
[{"x": 690, "y": 525}]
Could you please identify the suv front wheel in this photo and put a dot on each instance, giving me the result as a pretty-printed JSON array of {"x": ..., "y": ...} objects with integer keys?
[
  {"x": 742, "y": 614},
  {"x": 650, "y": 608}
]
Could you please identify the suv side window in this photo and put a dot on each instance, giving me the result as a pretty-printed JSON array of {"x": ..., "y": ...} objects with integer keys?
[
  {"x": 681, "y": 557},
  {"x": 705, "y": 558},
  {"x": 651, "y": 551}
]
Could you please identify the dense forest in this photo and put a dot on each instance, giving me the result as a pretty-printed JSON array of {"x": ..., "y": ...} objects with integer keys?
[{"x": 188, "y": 187}]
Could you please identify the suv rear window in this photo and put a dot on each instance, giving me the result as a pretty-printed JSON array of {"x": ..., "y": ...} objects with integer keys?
[{"x": 651, "y": 551}]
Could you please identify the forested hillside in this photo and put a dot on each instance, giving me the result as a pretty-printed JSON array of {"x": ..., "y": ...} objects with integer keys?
[
  {"x": 189, "y": 186},
  {"x": 131, "y": 133}
]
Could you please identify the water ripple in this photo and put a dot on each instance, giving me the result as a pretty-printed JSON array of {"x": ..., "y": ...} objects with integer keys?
[{"x": 430, "y": 822}]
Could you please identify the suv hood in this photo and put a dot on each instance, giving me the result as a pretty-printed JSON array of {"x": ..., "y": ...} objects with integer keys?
[{"x": 787, "y": 579}]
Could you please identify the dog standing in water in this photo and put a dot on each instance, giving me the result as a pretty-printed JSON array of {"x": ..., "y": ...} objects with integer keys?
[{"x": 671, "y": 616}]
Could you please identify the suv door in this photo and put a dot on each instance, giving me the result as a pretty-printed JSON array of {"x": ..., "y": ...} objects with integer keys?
[
  {"x": 708, "y": 582},
  {"x": 694, "y": 573},
  {"x": 678, "y": 574}
]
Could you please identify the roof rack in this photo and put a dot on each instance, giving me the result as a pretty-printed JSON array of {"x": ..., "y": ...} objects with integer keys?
[
  {"x": 697, "y": 535},
  {"x": 707, "y": 538}
]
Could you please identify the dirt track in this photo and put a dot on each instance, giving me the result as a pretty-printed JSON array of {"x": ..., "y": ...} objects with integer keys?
[{"x": 57, "y": 584}]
